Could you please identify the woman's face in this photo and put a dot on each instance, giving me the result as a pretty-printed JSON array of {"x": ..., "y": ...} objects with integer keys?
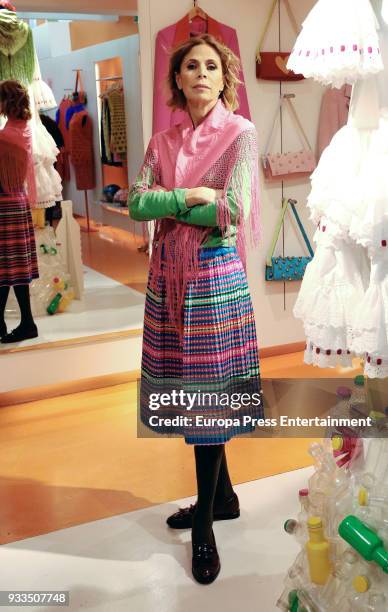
[{"x": 200, "y": 77}]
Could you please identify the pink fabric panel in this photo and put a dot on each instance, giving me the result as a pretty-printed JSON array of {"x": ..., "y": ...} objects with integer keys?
[
  {"x": 163, "y": 117},
  {"x": 334, "y": 114}
]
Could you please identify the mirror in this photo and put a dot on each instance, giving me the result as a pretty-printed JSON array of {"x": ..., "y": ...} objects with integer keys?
[{"x": 92, "y": 258}]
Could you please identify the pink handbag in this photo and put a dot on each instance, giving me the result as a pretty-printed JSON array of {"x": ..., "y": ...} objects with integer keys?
[{"x": 290, "y": 165}]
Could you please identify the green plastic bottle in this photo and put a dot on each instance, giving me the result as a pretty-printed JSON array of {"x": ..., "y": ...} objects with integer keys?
[
  {"x": 53, "y": 306},
  {"x": 293, "y": 601},
  {"x": 364, "y": 540}
]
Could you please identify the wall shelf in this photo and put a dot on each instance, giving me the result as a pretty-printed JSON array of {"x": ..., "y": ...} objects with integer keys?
[{"x": 118, "y": 210}]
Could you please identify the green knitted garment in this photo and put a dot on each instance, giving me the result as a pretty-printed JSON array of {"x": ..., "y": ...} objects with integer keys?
[
  {"x": 117, "y": 123},
  {"x": 17, "y": 59}
]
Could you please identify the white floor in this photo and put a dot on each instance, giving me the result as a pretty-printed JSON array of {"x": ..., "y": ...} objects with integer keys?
[
  {"x": 107, "y": 306},
  {"x": 133, "y": 562}
]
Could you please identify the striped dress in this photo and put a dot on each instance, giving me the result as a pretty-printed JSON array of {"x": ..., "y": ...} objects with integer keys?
[
  {"x": 18, "y": 259},
  {"x": 218, "y": 354}
]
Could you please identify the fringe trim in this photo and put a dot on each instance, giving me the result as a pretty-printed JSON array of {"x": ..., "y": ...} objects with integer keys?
[{"x": 176, "y": 245}]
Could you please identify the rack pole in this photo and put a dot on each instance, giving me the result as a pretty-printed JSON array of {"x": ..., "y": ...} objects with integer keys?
[{"x": 89, "y": 228}]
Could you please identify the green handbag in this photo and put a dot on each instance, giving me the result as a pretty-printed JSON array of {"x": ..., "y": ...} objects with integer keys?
[{"x": 287, "y": 268}]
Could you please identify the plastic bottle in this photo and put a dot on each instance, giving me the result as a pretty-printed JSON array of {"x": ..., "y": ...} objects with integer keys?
[
  {"x": 336, "y": 587},
  {"x": 308, "y": 601},
  {"x": 364, "y": 540},
  {"x": 296, "y": 577},
  {"x": 304, "y": 503},
  {"x": 357, "y": 601},
  {"x": 376, "y": 463},
  {"x": 66, "y": 300},
  {"x": 377, "y": 602},
  {"x": 336, "y": 507},
  {"x": 370, "y": 515},
  {"x": 296, "y": 529},
  {"x": 366, "y": 499},
  {"x": 358, "y": 401},
  {"x": 53, "y": 306},
  {"x": 326, "y": 474},
  {"x": 293, "y": 601},
  {"x": 318, "y": 552},
  {"x": 383, "y": 532}
]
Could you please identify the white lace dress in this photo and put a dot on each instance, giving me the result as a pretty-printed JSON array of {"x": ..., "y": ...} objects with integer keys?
[
  {"x": 343, "y": 300},
  {"x": 338, "y": 43},
  {"x": 45, "y": 151}
]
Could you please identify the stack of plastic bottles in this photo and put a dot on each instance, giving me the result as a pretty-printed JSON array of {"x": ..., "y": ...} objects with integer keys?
[
  {"x": 51, "y": 267},
  {"x": 342, "y": 526}
]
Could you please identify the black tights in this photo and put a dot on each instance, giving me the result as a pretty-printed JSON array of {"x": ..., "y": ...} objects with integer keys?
[
  {"x": 214, "y": 487},
  {"x": 22, "y": 293}
]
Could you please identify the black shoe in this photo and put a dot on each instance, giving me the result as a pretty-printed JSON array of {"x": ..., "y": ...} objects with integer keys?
[
  {"x": 19, "y": 334},
  {"x": 3, "y": 330},
  {"x": 206, "y": 563},
  {"x": 183, "y": 519}
]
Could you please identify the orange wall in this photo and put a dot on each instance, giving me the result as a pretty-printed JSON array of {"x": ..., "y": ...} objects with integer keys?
[{"x": 88, "y": 33}]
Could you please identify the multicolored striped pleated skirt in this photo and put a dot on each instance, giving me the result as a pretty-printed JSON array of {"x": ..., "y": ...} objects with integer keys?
[
  {"x": 194, "y": 386},
  {"x": 18, "y": 260}
]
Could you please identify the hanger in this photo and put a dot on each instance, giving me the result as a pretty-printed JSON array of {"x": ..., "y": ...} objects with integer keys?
[{"x": 196, "y": 11}]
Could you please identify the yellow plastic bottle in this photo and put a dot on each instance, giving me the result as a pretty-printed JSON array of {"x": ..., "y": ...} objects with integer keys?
[
  {"x": 317, "y": 549},
  {"x": 67, "y": 298}
]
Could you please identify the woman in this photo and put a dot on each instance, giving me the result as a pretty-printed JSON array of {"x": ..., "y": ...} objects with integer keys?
[
  {"x": 199, "y": 181},
  {"x": 18, "y": 261}
]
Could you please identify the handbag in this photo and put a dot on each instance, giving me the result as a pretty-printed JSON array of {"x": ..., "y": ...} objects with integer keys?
[
  {"x": 272, "y": 65},
  {"x": 291, "y": 165},
  {"x": 287, "y": 268},
  {"x": 79, "y": 94}
]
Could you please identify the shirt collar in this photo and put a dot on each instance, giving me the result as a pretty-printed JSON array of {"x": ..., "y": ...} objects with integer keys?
[{"x": 213, "y": 121}]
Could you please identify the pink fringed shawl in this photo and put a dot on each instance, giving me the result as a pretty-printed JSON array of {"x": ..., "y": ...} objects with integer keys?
[
  {"x": 16, "y": 160},
  {"x": 220, "y": 153}
]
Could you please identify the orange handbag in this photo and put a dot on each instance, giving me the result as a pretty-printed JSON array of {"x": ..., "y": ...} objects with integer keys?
[
  {"x": 272, "y": 65},
  {"x": 79, "y": 94}
]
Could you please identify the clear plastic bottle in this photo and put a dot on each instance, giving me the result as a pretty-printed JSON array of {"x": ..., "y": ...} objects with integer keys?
[
  {"x": 336, "y": 506},
  {"x": 295, "y": 578},
  {"x": 309, "y": 601},
  {"x": 327, "y": 476},
  {"x": 343, "y": 572},
  {"x": 376, "y": 464},
  {"x": 359, "y": 597},
  {"x": 365, "y": 498},
  {"x": 296, "y": 529},
  {"x": 370, "y": 515},
  {"x": 382, "y": 530},
  {"x": 358, "y": 401},
  {"x": 304, "y": 504},
  {"x": 377, "y": 602}
]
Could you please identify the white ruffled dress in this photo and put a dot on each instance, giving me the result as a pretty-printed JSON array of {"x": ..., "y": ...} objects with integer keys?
[
  {"x": 343, "y": 300},
  {"x": 338, "y": 43},
  {"x": 45, "y": 151}
]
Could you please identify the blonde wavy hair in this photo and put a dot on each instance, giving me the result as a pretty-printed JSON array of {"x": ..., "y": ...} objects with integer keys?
[{"x": 230, "y": 69}]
